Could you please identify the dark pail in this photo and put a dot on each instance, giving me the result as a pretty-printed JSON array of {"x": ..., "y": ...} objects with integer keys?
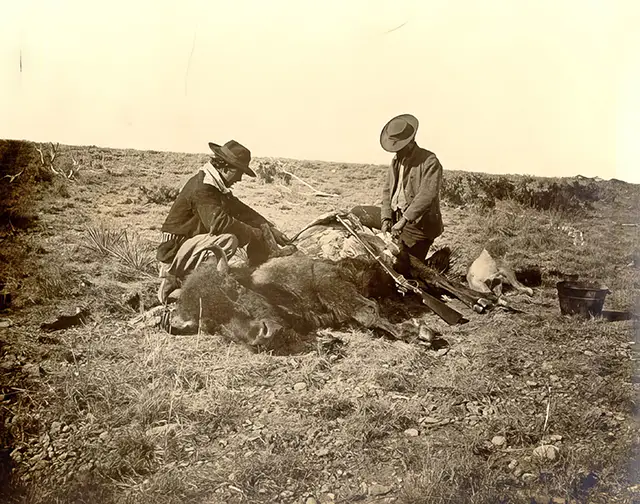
[{"x": 582, "y": 298}]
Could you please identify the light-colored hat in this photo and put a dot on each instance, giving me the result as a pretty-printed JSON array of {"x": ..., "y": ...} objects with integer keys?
[
  {"x": 235, "y": 154},
  {"x": 398, "y": 132}
]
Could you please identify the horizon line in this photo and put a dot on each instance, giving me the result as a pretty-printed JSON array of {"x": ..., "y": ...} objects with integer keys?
[{"x": 254, "y": 158}]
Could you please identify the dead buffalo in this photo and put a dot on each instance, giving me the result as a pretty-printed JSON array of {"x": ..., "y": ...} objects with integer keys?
[{"x": 281, "y": 304}]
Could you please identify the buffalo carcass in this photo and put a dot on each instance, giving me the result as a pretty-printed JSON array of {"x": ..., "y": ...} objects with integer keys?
[
  {"x": 281, "y": 304},
  {"x": 331, "y": 282}
]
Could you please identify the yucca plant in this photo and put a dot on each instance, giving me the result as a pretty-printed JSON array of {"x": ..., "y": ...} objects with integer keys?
[
  {"x": 129, "y": 250},
  {"x": 134, "y": 253},
  {"x": 102, "y": 240}
]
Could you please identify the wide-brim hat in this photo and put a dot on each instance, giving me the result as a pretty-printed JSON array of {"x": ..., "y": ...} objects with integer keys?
[
  {"x": 235, "y": 154},
  {"x": 398, "y": 132}
]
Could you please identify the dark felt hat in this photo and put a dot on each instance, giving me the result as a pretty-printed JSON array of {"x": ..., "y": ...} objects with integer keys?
[{"x": 235, "y": 154}]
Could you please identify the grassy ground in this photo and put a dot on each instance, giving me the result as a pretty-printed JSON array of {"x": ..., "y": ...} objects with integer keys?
[{"x": 532, "y": 407}]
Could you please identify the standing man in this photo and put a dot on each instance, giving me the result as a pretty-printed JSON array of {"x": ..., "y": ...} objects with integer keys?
[
  {"x": 207, "y": 221},
  {"x": 411, "y": 192}
]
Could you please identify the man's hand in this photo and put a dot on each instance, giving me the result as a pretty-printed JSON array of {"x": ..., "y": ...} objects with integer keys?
[
  {"x": 386, "y": 226},
  {"x": 281, "y": 238},
  {"x": 398, "y": 226}
]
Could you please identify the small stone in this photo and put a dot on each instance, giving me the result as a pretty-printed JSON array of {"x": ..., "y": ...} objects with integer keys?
[
  {"x": 55, "y": 428},
  {"x": 285, "y": 494},
  {"x": 300, "y": 386},
  {"x": 322, "y": 452},
  {"x": 9, "y": 362},
  {"x": 33, "y": 370},
  {"x": 588, "y": 353},
  {"x": 442, "y": 352},
  {"x": 412, "y": 432},
  {"x": 376, "y": 490},
  {"x": 549, "y": 452},
  {"x": 161, "y": 430},
  {"x": 41, "y": 465},
  {"x": 104, "y": 435},
  {"x": 517, "y": 472},
  {"x": 513, "y": 464},
  {"x": 65, "y": 428},
  {"x": 528, "y": 477},
  {"x": 499, "y": 441},
  {"x": 531, "y": 383},
  {"x": 310, "y": 500}
]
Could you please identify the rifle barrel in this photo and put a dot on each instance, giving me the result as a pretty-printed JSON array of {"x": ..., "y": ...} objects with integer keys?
[{"x": 445, "y": 312}]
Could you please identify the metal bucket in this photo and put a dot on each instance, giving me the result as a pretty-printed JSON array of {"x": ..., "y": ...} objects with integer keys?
[{"x": 582, "y": 298}]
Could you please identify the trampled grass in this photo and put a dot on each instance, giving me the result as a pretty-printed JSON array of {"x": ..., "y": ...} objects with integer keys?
[{"x": 108, "y": 413}]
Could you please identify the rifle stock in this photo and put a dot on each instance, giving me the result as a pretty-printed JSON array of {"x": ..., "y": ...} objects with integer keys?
[{"x": 442, "y": 310}]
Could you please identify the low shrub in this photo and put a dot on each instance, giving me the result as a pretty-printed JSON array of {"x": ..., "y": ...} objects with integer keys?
[
  {"x": 483, "y": 190},
  {"x": 160, "y": 195},
  {"x": 270, "y": 171}
]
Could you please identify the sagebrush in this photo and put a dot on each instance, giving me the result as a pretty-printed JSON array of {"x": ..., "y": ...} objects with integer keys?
[{"x": 483, "y": 190}]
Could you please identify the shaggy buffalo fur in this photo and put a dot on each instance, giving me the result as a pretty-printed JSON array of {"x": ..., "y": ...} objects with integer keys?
[{"x": 296, "y": 294}]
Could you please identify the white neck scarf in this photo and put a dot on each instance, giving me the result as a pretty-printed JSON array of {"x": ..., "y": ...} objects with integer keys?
[{"x": 213, "y": 177}]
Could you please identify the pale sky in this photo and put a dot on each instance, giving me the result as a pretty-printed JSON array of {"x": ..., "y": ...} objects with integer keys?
[{"x": 501, "y": 86}]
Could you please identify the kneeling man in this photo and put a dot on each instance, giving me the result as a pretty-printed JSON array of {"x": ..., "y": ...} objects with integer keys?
[{"x": 207, "y": 221}]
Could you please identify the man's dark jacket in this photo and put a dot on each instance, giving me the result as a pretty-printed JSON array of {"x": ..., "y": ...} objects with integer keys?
[
  {"x": 423, "y": 181},
  {"x": 201, "y": 208}
]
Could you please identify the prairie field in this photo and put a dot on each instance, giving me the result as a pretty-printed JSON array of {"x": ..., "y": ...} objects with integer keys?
[{"x": 527, "y": 407}]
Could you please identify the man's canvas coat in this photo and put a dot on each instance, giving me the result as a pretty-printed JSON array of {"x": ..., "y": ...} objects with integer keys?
[{"x": 423, "y": 179}]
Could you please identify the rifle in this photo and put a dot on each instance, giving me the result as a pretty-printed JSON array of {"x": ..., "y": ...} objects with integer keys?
[{"x": 446, "y": 313}]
